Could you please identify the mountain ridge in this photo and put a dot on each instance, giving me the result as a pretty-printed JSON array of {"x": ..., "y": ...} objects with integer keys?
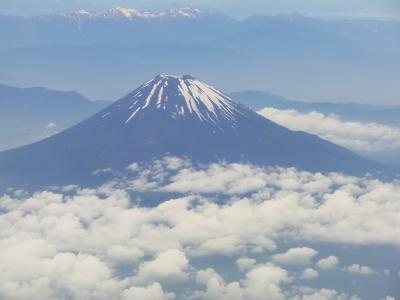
[
  {"x": 31, "y": 114},
  {"x": 130, "y": 13},
  {"x": 100, "y": 56},
  {"x": 349, "y": 111},
  {"x": 217, "y": 129}
]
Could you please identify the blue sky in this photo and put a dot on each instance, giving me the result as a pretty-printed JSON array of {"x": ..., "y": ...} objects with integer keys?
[{"x": 380, "y": 9}]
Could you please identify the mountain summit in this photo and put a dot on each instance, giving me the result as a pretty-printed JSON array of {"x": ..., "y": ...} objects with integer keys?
[
  {"x": 170, "y": 115},
  {"x": 179, "y": 97}
]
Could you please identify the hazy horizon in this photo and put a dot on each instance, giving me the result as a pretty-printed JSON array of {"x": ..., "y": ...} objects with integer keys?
[
  {"x": 353, "y": 9},
  {"x": 336, "y": 62}
]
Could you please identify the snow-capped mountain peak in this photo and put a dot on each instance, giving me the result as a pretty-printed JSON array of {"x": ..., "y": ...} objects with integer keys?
[
  {"x": 126, "y": 12},
  {"x": 82, "y": 13},
  {"x": 186, "y": 12},
  {"x": 132, "y": 14},
  {"x": 174, "y": 116},
  {"x": 180, "y": 97}
]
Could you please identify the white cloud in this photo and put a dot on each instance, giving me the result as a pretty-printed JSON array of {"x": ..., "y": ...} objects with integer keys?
[
  {"x": 203, "y": 277},
  {"x": 359, "y": 269},
  {"x": 329, "y": 263},
  {"x": 152, "y": 292},
  {"x": 98, "y": 244},
  {"x": 309, "y": 274},
  {"x": 322, "y": 294},
  {"x": 295, "y": 256},
  {"x": 261, "y": 282},
  {"x": 229, "y": 179},
  {"x": 265, "y": 282},
  {"x": 215, "y": 287},
  {"x": 245, "y": 263},
  {"x": 234, "y": 178},
  {"x": 123, "y": 254},
  {"x": 358, "y": 136},
  {"x": 169, "y": 265},
  {"x": 51, "y": 125},
  {"x": 34, "y": 267}
]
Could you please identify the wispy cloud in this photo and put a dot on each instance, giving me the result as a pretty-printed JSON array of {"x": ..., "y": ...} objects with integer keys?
[{"x": 358, "y": 136}]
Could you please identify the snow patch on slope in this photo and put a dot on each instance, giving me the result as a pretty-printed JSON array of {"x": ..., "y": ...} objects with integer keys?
[{"x": 182, "y": 97}]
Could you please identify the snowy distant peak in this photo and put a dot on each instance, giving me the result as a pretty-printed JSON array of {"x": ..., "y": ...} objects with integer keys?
[
  {"x": 82, "y": 13},
  {"x": 129, "y": 13},
  {"x": 181, "y": 97},
  {"x": 186, "y": 12},
  {"x": 122, "y": 11}
]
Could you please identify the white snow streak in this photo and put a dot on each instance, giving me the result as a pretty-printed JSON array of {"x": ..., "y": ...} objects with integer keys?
[
  {"x": 153, "y": 90},
  {"x": 132, "y": 115},
  {"x": 181, "y": 97}
]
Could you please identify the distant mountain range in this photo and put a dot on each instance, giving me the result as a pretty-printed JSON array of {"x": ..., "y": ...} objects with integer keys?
[
  {"x": 389, "y": 115},
  {"x": 31, "y": 114},
  {"x": 102, "y": 53},
  {"x": 133, "y": 14},
  {"x": 119, "y": 25},
  {"x": 28, "y": 115},
  {"x": 175, "y": 116}
]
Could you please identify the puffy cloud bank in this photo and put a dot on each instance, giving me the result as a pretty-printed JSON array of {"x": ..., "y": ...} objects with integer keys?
[
  {"x": 103, "y": 244},
  {"x": 358, "y": 136}
]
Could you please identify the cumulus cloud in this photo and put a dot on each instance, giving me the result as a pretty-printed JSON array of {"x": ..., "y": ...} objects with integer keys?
[
  {"x": 359, "y": 269},
  {"x": 169, "y": 265},
  {"x": 101, "y": 244},
  {"x": 295, "y": 256},
  {"x": 152, "y": 292},
  {"x": 329, "y": 263},
  {"x": 265, "y": 281},
  {"x": 245, "y": 263},
  {"x": 124, "y": 254},
  {"x": 309, "y": 274},
  {"x": 203, "y": 277},
  {"x": 323, "y": 294},
  {"x": 262, "y": 281},
  {"x": 51, "y": 125},
  {"x": 228, "y": 179},
  {"x": 216, "y": 178},
  {"x": 35, "y": 267},
  {"x": 358, "y": 136}
]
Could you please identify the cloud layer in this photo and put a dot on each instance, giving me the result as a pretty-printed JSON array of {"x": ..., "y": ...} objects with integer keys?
[
  {"x": 358, "y": 136},
  {"x": 103, "y": 244}
]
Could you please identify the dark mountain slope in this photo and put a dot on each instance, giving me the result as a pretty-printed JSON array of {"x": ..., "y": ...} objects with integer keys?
[{"x": 177, "y": 116}]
